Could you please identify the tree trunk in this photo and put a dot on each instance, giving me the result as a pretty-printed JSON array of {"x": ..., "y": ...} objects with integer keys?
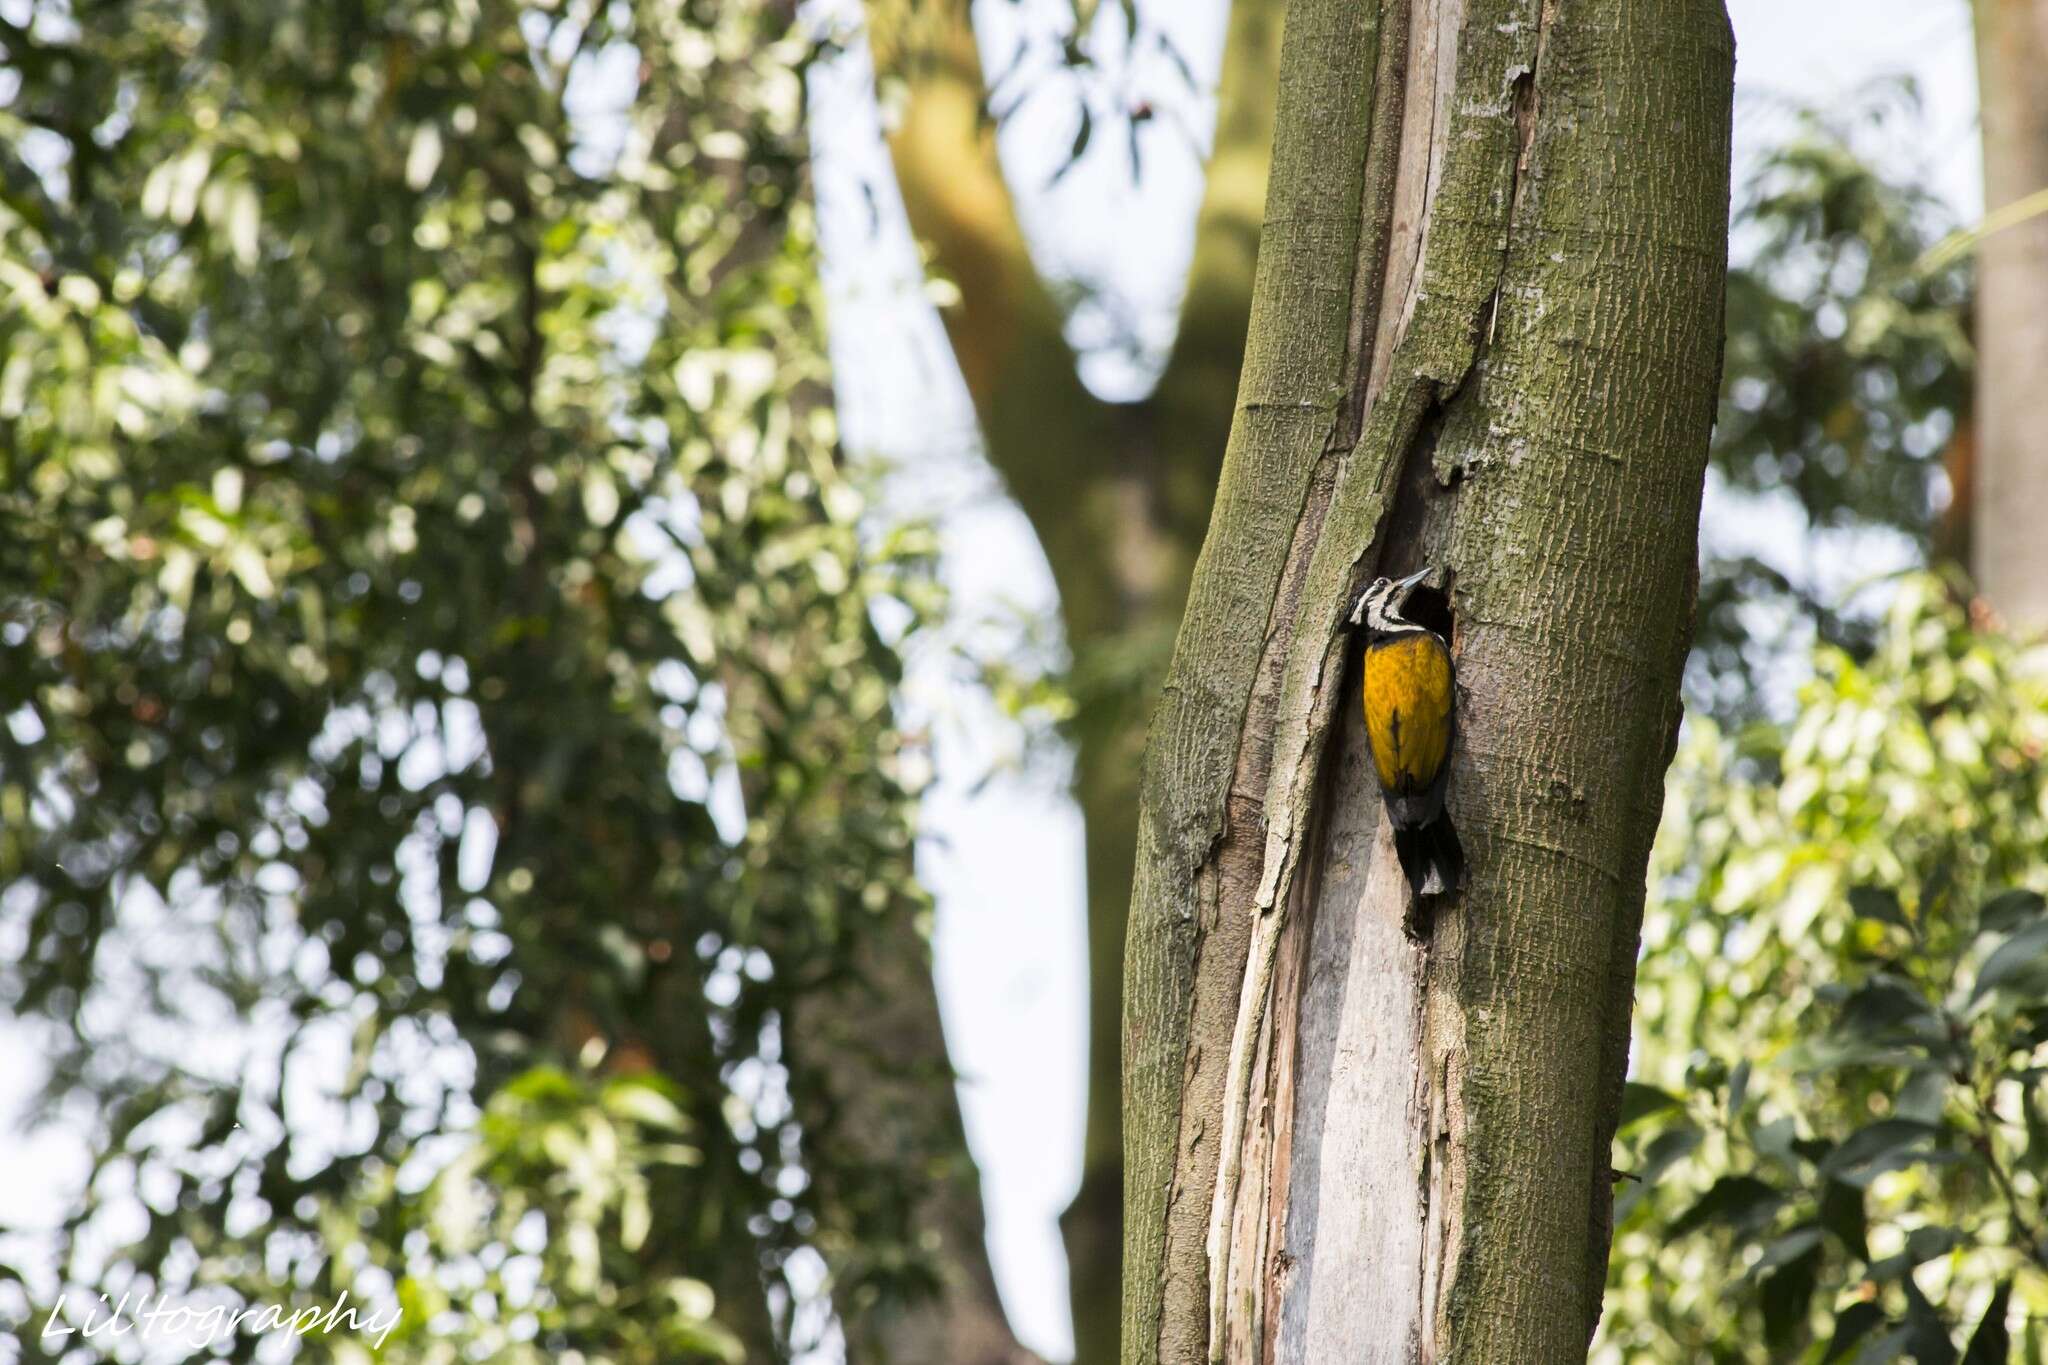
[
  {"x": 878, "y": 1067},
  {"x": 2010, "y": 551},
  {"x": 1117, "y": 493},
  {"x": 1485, "y": 337}
]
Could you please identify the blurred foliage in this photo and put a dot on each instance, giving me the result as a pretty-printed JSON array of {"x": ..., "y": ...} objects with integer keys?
[
  {"x": 447, "y": 728},
  {"x": 565, "y": 1176},
  {"x": 1838, "y": 1129},
  {"x": 1846, "y": 378}
]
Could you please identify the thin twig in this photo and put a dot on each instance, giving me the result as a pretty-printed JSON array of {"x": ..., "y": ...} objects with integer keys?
[{"x": 1987, "y": 1118}]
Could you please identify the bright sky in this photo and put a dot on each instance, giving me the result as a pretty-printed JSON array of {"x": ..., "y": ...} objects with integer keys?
[{"x": 1004, "y": 855}]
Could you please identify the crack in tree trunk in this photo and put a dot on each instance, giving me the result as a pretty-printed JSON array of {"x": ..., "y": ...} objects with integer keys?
[{"x": 1536, "y": 300}]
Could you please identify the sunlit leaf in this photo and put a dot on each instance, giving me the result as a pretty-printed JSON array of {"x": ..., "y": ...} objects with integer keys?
[
  {"x": 1876, "y": 1148},
  {"x": 2013, "y": 962},
  {"x": 1991, "y": 1343}
]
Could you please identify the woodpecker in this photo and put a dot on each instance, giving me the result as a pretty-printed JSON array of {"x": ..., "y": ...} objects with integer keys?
[{"x": 1411, "y": 723}]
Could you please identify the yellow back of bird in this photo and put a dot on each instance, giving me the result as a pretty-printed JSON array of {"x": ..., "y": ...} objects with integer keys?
[{"x": 1408, "y": 708}]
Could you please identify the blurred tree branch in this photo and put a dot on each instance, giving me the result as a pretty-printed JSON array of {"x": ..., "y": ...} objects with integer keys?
[{"x": 1117, "y": 493}]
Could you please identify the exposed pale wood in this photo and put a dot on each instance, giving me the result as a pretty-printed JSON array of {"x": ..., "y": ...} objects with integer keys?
[
  {"x": 1418, "y": 1169},
  {"x": 1199, "y": 841},
  {"x": 1353, "y": 1228}
]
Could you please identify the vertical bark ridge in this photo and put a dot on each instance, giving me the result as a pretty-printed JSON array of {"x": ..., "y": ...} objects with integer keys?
[
  {"x": 1583, "y": 453},
  {"x": 1544, "y": 347},
  {"x": 1472, "y": 239},
  {"x": 1197, "y": 839},
  {"x": 1117, "y": 494},
  {"x": 2009, "y": 500},
  {"x": 1231, "y": 1231}
]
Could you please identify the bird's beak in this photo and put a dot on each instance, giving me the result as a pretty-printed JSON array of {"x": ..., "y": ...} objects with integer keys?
[{"x": 1404, "y": 586}]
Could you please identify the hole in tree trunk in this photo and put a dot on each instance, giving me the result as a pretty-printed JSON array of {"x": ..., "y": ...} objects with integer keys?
[{"x": 1431, "y": 608}]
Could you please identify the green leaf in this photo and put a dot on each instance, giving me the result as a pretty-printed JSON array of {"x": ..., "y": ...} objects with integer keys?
[
  {"x": 1873, "y": 1150},
  {"x": 1889, "y": 1347},
  {"x": 644, "y": 1103},
  {"x": 636, "y": 1218},
  {"x": 1784, "y": 1250},
  {"x": 2024, "y": 951},
  {"x": 1922, "y": 1245},
  {"x": 1788, "y": 1294},
  {"x": 1991, "y": 1343},
  {"x": 1927, "y": 1334},
  {"x": 2034, "y": 1110},
  {"x": 1777, "y": 1140},
  {"x": 1879, "y": 903},
  {"x": 1842, "y": 1048},
  {"x": 1814, "y": 1150},
  {"x": 543, "y": 1084},
  {"x": 1741, "y": 1202},
  {"x": 1668, "y": 1149},
  {"x": 1841, "y": 1212},
  {"x": 1934, "y": 891},
  {"x": 2034, "y": 1033},
  {"x": 1738, "y": 1089},
  {"x": 1885, "y": 1003},
  {"x": 1924, "y": 1095},
  {"x": 1665, "y": 1151},
  {"x": 1639, "y": 1102},
  {"x": 2009, "y": 910},
  {"x": 1852, "y": 1324}
]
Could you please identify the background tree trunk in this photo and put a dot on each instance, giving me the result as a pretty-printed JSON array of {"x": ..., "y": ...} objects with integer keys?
[
  {"x": 1485, "y": 336},
  {"x": 871, "y": 1042},
  {"x": 2010, "y": 548},
  {"x": 1117, "y": 493}
]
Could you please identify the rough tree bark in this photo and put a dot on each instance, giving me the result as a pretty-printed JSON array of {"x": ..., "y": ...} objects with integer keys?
[
  {"x": 2009, "y": 551},
  {"x": 1117, "y": 493},
  {"x": 1485, "y": 337}
]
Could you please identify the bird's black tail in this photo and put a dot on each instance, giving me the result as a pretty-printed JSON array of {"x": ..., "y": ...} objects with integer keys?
[{"x": 1431, "y": 856}]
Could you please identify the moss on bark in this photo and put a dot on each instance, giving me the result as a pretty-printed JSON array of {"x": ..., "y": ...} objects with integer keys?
[{"x": 1513, "y": 301}]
